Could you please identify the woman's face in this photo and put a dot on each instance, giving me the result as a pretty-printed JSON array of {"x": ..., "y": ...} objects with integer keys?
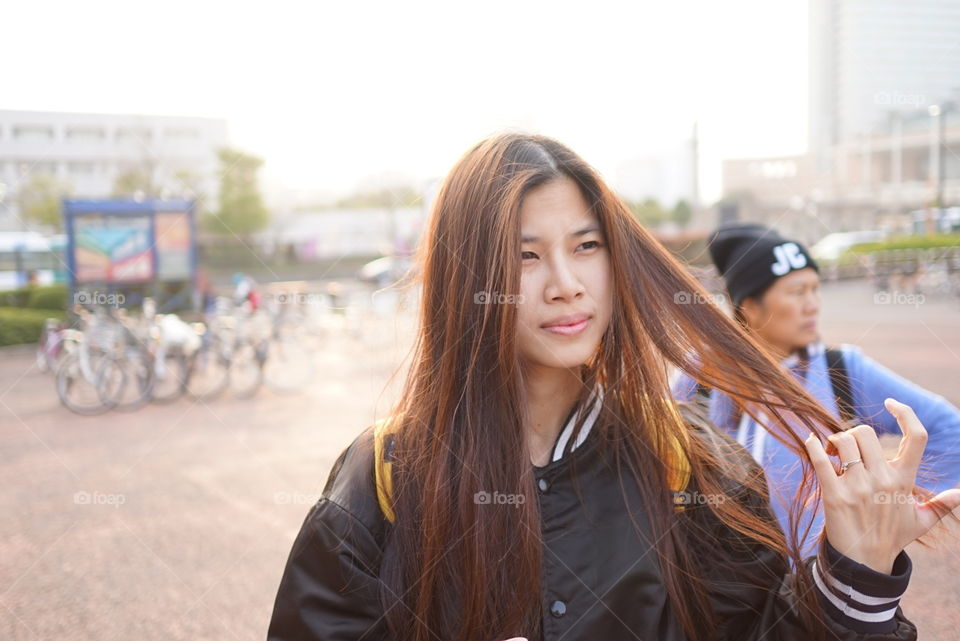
[
  {"x": 566, "y": 293},
  {"x": 786, "y": 316}
]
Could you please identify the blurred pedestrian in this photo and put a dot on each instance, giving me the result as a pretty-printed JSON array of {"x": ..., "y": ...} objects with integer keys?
[{"x": 774, "y": 287}]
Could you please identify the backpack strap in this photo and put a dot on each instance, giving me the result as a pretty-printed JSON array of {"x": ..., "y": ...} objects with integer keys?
[
  {"x": 678, "y": 464},
  {"x": 678, "y": 475},
  {"x": 702, "y": 393},
  {"x": 840, "y": 382},
  {"x": 383, "y": 467}
]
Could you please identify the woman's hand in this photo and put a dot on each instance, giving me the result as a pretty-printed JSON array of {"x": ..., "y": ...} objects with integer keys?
[{"x": 870, "y": 512}]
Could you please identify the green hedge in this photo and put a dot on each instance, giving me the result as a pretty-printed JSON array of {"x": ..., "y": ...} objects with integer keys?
[
  {"x": 15, "y": 298},
  {"x": 49, "y": 297},
  {"x": 18, "y": 326},
  {"x": 935, "y": 241},
  {"x": 52, "y": 297}
]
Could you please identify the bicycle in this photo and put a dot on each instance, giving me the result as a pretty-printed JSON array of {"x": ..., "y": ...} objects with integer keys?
[
  {"x": 57, "y": 339},
  {"x": 88, "y": 380}
]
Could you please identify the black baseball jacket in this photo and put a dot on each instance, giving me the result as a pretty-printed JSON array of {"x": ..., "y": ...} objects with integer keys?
[{"x": 600, "y": 579}]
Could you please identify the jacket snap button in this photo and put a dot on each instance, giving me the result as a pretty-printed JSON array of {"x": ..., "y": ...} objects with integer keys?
[
  {"x": 558, "y": 609},
  {"x": 543, "y": 484}
]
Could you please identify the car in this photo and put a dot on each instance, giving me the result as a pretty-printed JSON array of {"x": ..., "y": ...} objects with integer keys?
[
  {"x": 384, "y": 271},
  {"x": 832, "y": 246}
]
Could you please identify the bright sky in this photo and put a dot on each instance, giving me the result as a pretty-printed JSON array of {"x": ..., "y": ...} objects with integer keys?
[{"x": 331, "y": 93}]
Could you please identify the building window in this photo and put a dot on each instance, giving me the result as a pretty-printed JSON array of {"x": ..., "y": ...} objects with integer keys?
[
  {"x": 27, "y": 168},
  {"x": 129, "y": 134},
  {"x": 181, "y": 133},
  {"x": 778, "y": 169},
  {"x": 33, "y": 132},
  {"x": 86, "y": 133},
  {"x": 82, "y": 168}
]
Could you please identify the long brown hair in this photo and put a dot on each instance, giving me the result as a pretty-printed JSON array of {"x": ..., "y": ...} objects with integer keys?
[{"x": 452, "y": 570}]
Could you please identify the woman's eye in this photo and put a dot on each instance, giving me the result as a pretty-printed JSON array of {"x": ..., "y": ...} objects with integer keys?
[
  {"x": 528, "y": 255},
  {"x": 590, "y": 244}
]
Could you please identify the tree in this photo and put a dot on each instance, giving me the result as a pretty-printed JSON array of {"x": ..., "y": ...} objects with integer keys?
[
  {"x": 39, "y": 200},
  {"x": 241, "y": 208},
  {"x": 135, "y": 182},
  {"x": 649, "y": 212},
  {"x": 386, "y": 198},
  {"x": 189, "y": 185},
  {"x": 682, "y": 213}
]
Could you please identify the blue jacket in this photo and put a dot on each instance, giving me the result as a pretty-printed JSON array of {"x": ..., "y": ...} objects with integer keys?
[{"x": 870, "y": 384}]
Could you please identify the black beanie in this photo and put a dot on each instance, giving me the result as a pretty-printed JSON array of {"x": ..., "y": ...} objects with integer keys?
[{"x": 751, "y": 257}]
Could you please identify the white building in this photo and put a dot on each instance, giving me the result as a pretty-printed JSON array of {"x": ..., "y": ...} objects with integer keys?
[
  {"x": 313, "y": 236},
  {"x": 87, "y": 152}
]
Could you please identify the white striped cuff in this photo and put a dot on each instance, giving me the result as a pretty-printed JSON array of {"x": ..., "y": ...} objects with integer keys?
[{"x": 856, "y": 596}]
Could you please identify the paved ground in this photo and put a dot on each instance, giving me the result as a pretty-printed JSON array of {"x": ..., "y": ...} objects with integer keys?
[
  {"x": 919, "y": 338},
  {"x": 174, "y": 522}
]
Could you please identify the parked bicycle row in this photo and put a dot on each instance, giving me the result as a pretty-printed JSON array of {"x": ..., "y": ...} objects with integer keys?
[{"x": 106, "y": 358}]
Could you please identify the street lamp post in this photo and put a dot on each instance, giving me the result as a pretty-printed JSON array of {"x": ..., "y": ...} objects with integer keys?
[
  {"x": 936, "y": 164},
  {"x": 938, "y": 143}
]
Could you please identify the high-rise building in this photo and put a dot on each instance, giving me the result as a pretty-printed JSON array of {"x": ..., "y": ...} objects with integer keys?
[
  {"x": 884, "y": 113},
  {"x": 870, "y": 59}
]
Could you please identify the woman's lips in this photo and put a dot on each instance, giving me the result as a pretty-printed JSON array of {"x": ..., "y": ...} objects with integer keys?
[{"x": 568, "y": 329}]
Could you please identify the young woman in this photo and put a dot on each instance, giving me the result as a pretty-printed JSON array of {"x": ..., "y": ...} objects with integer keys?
[
  {"x": 537, "y": 479},
  {"x": 774, "y": 286}
]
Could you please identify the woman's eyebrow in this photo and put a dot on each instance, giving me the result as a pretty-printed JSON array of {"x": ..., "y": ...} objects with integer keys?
[{"x": 589, "y": 229}]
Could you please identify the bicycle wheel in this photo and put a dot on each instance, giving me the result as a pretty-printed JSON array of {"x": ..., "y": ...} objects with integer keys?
[
  {"x": 169, "y": 377},
  {"x": 77, "y": 393},
  {"x": 209, "y": 372},
  {"x": 246, "y": 368},
  {"x": 137, "y": 388}
]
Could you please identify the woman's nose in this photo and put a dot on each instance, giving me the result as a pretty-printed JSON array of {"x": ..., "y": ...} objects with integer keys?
[{"x": 563, "y": 284}]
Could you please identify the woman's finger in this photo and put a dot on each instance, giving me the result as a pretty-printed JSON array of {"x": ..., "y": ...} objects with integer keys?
[
  {"x": 914, "y": 435},
  {"x": 821, "y": 464},
  {"x": 847, "y": 449},
  {"x": 870, "y": 449},
  {"x": 949, "y": 499}
]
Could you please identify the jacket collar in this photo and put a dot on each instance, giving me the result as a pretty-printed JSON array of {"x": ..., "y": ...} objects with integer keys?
[{"x": 589, "y": 410}]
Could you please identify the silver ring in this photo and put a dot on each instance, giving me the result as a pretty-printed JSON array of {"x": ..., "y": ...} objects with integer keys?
[{"x": 843, "y": 468}]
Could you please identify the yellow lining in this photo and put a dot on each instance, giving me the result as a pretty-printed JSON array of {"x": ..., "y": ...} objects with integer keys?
[
  {"x": 383, "y": 470},
  {"x": 678, "y": 469}
]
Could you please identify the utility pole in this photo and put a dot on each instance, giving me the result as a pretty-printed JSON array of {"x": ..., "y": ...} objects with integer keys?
[
  {"x": 936, "y": 165},
  {"x": 695, "y": 168}
]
